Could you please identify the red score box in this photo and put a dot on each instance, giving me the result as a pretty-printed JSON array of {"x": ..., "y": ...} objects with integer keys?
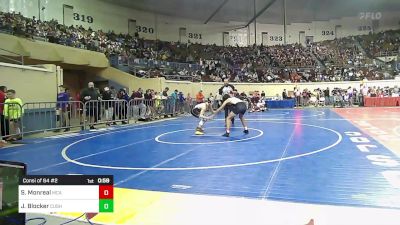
[{"x": 106, "y": 191}]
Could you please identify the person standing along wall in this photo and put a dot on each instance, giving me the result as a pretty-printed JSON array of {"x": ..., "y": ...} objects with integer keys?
[
  {"x": 5, "y": 129},
  {"x": 138, "y": 105},
  {"x": 174, "y": 101},
  {"x": 13, "y": 112},
  {"x": 199, "y": 97},
  {"x": 181, "y": 102},
  {"x": 90, "y": 96},
  {"x": 108, "y": 105},
  {"x": 149, "y": 102},
  {"x": 121, "y": 105},
  {"x": 166, "y": 103},
  {"x": 62, "y": 108}
]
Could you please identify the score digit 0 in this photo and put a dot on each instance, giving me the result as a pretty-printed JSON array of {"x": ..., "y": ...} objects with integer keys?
[
  {"x": 106, "y": 192},
  {"x": 103, "y": 180}
]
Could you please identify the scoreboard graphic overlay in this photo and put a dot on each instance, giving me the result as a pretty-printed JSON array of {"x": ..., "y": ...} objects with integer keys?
[{"x": 66, "y": 193}]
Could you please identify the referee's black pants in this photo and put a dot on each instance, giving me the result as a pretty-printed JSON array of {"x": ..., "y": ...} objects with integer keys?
[{"x": 5, "y": 126}]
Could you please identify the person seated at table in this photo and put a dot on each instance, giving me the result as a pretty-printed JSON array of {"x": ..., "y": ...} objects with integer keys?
[
  {"x": 373, "y": 93},
  {"x": 338, "y": 99},
  {"x": 254, "y": 107},
  {"x": 396, "y": 91},
  {"x": 253, "y": 102},
  {"x": 284, "y": 94},
  {"x": 276, "y": 97}
]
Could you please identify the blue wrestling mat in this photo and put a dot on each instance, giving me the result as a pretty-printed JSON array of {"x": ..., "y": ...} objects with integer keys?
[{"x": 290, "y": 155}]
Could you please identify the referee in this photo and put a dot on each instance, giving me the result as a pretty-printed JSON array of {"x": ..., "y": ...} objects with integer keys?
[{"x": 224, "y": 92}]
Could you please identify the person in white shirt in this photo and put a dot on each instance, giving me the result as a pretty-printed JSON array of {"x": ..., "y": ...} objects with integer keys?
[
  {"x": 199, "y": 111},
  {"x": 364, "y": 93},
  {"x": 224, "y": 92},
  {"x": 237, "y": 107},
  {"x": 350, "y": 96}
]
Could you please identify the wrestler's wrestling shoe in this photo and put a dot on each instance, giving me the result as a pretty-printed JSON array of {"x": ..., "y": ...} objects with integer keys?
[
  {"x": 199, "y": 131},
  {"x": 226, "y": 135}
]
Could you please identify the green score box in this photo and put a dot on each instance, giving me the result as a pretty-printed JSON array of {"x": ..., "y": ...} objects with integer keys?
[{"x": 106, "y": 205}]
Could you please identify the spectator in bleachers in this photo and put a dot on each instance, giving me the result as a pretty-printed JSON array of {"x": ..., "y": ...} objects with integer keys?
[
  {"x": 381, "y": 44},
  {"x": 279, "y": 63}
]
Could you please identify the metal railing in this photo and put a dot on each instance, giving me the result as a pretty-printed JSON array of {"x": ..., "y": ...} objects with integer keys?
[
  {"x": 148, "y": 109},
  {"x": 104, "y": 112},
  {"x": 116, "y": 60},
  {"x": 179, "y": 77},
  {"x": 17, "y": 121},
  {"x": 334, "y": 101},
  {"x": 150, "y": 63},
  {"x": 388, "y": 53},
  {"x": 36, "y": 117},
  {"x": 46, "y": 116}
]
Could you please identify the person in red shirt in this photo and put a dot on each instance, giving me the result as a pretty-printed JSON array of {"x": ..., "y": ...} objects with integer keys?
[
  {"x": 200, "y": 97},
  {"x": 138, "y": 105},
  {"x": 4, "y": 123}
]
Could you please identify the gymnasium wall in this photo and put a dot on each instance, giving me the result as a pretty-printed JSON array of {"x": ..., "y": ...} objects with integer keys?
[
  {"x": 40, "y": 85},
  {"x": 130, "y": 82},
  {"x": 105, "y": 16},
  {"x": 49, "y": 52},
  {"x": 31, "y": 84},
  {"x": 271, "y": 89}
]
